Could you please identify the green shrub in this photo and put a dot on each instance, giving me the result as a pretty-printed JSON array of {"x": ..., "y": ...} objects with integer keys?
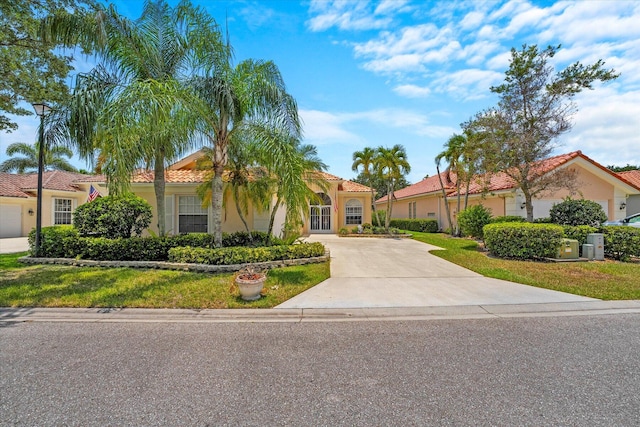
[
  {"x": 421, "y": 225},
  {"x": 544, "y": 220},
  {"x": 54, "y": 241},
  {"x": 343, "y": 231},
  {"x": 242, "y": 255},
  {"x": 374, "y": 218},
  {"x": 113, "y": 217},
  {"x": 507, "y": 218},
  {"x": 523, "y": 240},
  {"x": 472, "y": 219},
  {"x": 577, "y": 212},
  {"x": 621, "y": 242},
  {"x": 578, "y": 232},
  {"x": 242, "y": 238}
]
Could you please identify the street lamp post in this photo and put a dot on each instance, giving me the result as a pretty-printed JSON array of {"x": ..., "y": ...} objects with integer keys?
[{"x": 41, "y": 110}]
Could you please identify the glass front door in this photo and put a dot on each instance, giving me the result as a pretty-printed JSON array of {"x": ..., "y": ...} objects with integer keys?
[{"x": 320, "y": 218}]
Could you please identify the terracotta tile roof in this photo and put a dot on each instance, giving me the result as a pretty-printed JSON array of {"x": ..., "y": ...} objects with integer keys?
[
  {"x": 426, "y": 186},
  {"x": 354, "y": 187},
  {"x": 501, "y": 181},
  {"x": 21, "y": 185},
  {"x": 632, "y": 177},
  {"x": 172, "y": 176}
]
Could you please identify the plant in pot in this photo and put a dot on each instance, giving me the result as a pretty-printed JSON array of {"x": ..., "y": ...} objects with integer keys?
[{"x": 250, "y": 282}]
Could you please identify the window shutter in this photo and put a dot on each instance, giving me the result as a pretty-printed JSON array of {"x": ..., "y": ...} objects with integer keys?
[{"x": 169, "y": 206}]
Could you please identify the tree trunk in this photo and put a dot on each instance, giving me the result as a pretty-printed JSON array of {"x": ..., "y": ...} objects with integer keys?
[
  {"x": 529, "y": 205},
  {"x": 444, "y": 198},
  {"x": 158, "y": 186},
  {"x": 387, "y": 219},
  {"x": 272, "y": 218},
  {"x": 240, "y": 213},
  {"x": 219, "y": 163},
  {"x": 458, "y": 233}
]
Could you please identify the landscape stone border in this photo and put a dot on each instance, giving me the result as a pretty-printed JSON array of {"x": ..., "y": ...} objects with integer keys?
[
  {"x": 183, "y": 266},
  {"x": 383, "y": 236}
]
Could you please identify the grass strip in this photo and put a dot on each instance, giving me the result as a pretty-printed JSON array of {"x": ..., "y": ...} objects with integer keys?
[
  {"x": 66, "y": 286},
  {"x": 607, "y": 280}
]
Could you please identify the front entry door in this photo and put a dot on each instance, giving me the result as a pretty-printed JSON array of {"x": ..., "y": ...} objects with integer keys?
[
  {"x": 320, "y": 215},
  {"x": 320, "y": 218}
]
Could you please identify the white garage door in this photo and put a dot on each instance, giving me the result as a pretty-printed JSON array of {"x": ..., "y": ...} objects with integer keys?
[{"x": 10, "y": 221}]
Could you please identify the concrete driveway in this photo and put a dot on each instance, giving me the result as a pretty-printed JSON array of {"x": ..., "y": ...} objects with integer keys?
[
  {"x": 14, "y": 244},
  {"x": 378, "y": 272}
]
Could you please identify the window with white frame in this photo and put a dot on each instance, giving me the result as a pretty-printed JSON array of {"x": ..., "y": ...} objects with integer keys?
[
  {"x": 192, "y": 217},
  {"x": 353, "y": 212},
  {"x": 62, "y": 209}
]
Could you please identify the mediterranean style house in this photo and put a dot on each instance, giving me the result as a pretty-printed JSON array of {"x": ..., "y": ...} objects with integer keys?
[
  {"x": 344, "y": 204},
  {"x": 62, "y": 192},
  {"x": 618, "y": 194}
]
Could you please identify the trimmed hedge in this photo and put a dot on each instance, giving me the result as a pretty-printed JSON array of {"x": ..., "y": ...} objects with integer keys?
[
  {"x": 113, "y": 217},
  {"x": 523, "y": 240},
  {"x": 507, "y": 218},
  {"x": 65, "y": 242},
  {"x": 621, "y": 242},
  {"x": 577, "y": 212},
  {"x": 241, "y": 255},
  {"x": 421, "y": 225},
  {"x": 53, "y": 240}
]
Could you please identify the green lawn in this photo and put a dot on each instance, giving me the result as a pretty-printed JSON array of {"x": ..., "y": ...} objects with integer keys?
[
  {"x": 66, "y": 286},
  {"x": 608, "y": 280}
]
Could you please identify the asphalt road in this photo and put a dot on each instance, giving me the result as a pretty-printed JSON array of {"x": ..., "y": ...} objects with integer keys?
[{"x": 578, "y": 371}]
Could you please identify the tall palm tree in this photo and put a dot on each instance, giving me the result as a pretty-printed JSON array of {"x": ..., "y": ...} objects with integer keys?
[
  {"x": 135, "y": 107},
  {"x": 391, "y": 164},
  {"x": 367, "y": 160},
  {"x": 293, "y": 170},
  {"x": 54, "y": 158},
  {"x": 250, "y": 98}
]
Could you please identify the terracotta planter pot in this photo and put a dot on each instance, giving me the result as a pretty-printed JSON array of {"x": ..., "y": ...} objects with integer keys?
[{"x": 250, "y": 288}]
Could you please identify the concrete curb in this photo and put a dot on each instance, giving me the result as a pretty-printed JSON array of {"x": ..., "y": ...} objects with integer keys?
[{"x": 139, "y": 315}]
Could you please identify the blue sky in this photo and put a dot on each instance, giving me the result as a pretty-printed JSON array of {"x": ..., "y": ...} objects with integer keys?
[{"x": 371, "y": 73}]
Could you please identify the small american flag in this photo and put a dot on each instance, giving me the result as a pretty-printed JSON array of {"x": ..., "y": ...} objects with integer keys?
[{"x": 93, "y": 194}]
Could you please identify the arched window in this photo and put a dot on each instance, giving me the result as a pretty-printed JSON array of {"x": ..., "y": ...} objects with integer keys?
[{"x": 353, "y": 212}]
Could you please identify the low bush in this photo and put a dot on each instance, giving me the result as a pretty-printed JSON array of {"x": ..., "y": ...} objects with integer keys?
[
  {"x": 242, "y": 238},
  {"x": 621, "y": 242},
  {"x": 54, "y": 241},
  {"x": 523, "y": 240},
  {"x": 578, "y": 232},
  {"x": 65, "y": 242},
  {"x": 344, "y": 231},
  {"x": 577, "y": 212},
  {"x": 507, "y": 218},
  {"x": 241, "y": 255},
  {"x": 113, "y": 217},
  {"x": 421, "y": 225},
  {"x": 473, "y": 219}
]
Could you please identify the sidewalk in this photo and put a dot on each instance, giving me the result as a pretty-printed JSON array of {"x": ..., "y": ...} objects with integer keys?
[{"x": 138, "y": 315}]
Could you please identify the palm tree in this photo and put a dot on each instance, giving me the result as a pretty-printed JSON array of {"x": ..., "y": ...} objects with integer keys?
[
  {"x": 53, "y": 159},
  {"x": 367, "y": 160},
  {"x": 293, "y": 171},
  {"x": 248, "y": 98},
  {"x": 135, "y": 108},
  {"x": 391, "y": 164}
]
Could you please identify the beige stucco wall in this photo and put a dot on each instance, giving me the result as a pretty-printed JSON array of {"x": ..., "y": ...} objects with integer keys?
[{"x": 28, "y": 222}]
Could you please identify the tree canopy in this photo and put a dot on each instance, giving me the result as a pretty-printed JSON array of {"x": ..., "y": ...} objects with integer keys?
[
  {"x": 30, "y": 70},
  {"x": 535, "y": 107}
]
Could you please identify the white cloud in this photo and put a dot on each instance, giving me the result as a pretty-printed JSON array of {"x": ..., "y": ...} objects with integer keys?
[
  {"x": 412, "y": 91},
  {"x": 347, "y": 15},
  {"x": 322, "y": 127},
  {"x": 606, "y": 126},
  {"x": 468, "y": 84}
]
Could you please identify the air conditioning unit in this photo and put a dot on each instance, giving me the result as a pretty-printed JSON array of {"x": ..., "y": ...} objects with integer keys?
[{"x": 568, "y": 249}]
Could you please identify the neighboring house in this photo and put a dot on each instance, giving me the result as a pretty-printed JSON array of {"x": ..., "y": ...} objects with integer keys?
[
  {"x": 62, "y": 193},
  {"x": 345, "y": 204},
  {"x": 633, "y": 201},
  {"x": 499, "y": 193}
]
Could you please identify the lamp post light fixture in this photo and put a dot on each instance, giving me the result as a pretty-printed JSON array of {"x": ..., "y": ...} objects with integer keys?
[{"x": 41, "y": 109}]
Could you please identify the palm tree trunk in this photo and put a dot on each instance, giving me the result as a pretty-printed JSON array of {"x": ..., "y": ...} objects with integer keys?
[
  {"x": 236, "y": 198},
  {"x": 158, "y": 186},
  {"x": 459, "y": 206},
  {"x": 444, "y": 198},
  {"x": 387, "y": 219},
  {"x": 272, "y": 217}
]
